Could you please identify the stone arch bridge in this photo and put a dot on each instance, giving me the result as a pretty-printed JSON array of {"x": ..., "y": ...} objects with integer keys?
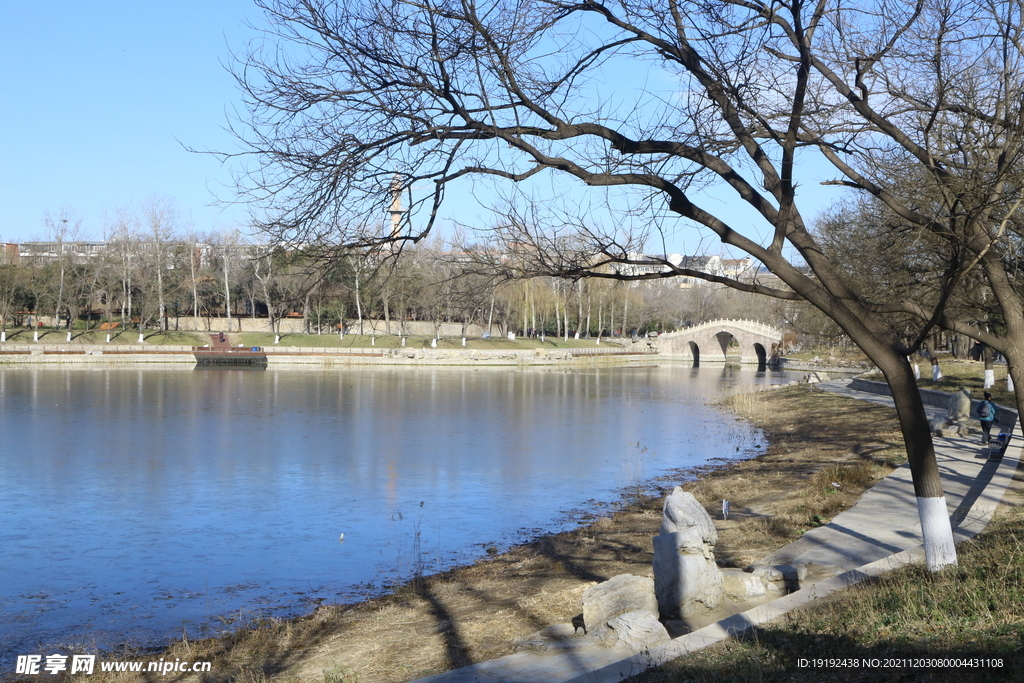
[{"x": 711, "y": 341}]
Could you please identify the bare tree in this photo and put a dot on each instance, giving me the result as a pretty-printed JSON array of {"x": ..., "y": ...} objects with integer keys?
[
  {"x": 13, "y": 294},
  {"x": 63, "y": 230},
  {"x": 161, "y": 220}
]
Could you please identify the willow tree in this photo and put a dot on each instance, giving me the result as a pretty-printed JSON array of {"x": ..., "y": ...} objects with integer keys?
[{"x": 644, "y": 104}]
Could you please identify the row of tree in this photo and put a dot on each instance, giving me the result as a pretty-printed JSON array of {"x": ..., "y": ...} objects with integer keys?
[{"x": 153, "y": 275}]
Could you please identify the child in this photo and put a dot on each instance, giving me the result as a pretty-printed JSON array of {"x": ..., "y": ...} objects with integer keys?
[{"x": 986, "y": 415}]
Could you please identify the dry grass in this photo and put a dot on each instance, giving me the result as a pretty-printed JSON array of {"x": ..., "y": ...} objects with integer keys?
[
  {"x": 474, "y": 613},
  {"x": 971, "y": 376}
]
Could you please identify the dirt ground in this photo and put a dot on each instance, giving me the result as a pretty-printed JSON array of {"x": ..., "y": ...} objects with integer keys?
[{"x": 474, "y": 613}]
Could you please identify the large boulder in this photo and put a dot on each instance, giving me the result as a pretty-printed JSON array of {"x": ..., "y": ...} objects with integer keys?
[
  {"x": 686, "y": 578},
  {"x": 616, "y": 596},
  {"x": 638, "y": 630},
  {"x": 959, "y": 406}
]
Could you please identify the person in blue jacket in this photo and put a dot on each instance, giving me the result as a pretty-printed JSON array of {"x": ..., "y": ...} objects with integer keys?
[{"x": 986, "y": 415}]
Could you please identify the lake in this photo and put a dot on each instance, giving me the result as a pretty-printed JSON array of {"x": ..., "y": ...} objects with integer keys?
[{"x": 141, "y": 503}]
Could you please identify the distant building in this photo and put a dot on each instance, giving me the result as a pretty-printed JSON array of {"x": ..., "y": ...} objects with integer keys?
[
  {"x": 8, "y": 254},
  {"x": 46, "y": 252},
  {"x": 744, "y": 269}
]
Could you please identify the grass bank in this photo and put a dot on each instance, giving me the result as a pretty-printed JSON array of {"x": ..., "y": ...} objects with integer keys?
[
  {"x": 130, "y": 336},
  {"x": 390, "y": 341},
  {"x": 118, "y": 336}
]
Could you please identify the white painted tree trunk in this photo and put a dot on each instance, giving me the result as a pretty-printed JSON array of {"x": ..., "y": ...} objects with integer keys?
[
  {"x": 277, "y": 339},
  {"x": 35, "y": 336},
  {"x": 3, "y": 337},
  {"x": 403, "y": 341},
  {"x": 142, "y": 338},
  {"x": 463, "y": 341},
  {"x": 108, "y": 337},
  {"x": 69, "y": 337},
  {"x": 939, "y": 548},
  {"x": 936, "y": 373},
  {"x": 917, "y": 368},
  {"x": 990, "y": 378},
  {"x": 433, "y": 343},
  {"x": 1009, "y": 382}
]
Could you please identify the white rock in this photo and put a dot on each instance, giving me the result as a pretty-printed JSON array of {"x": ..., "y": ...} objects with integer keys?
[
  {"x": 686, "y": 579},
  {"x": 682, "y": 511},
  {"x": 740, "y": 585},
  {"x": 638, "y": 630},
  {"x": 618, "y": 595}
]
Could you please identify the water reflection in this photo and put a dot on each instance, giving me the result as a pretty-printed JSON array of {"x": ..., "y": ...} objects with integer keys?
[{"x": 139, "y": 501}]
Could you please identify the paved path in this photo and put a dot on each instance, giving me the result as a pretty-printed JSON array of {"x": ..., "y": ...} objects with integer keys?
[
  {"x": 878, "y": 534},
  {"x": 885, "y": 519}
]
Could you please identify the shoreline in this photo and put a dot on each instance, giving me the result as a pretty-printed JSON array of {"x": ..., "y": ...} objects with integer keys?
[
  {"x": 71, "y": 354},
  {"x": 75, "y": 354},
  {"x": 474, "y": 612}
]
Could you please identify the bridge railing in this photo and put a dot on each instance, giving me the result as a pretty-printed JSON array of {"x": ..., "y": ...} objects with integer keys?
[{"x": 748, "y": 325}]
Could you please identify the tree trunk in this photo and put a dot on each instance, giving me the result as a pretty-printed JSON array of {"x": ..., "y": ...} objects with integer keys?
[
  {"x": 990, "y": 372},
  {"x": 227, "y": 290},
  {"x": 565, "y": 318},
  {"x": 359, "y": 305},
  {"x": 533, "y": 313},
  {"x": 625, "y": 315},
  {"x": 929, "y": 346},
  {"x": 589, "y": 309},
  {"x": 579, "y": 312},
  {"x": 940, "y": 550}
]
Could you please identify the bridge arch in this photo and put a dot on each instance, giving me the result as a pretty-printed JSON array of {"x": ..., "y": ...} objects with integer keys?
[
  {"x": 711, "y": 341},
  {"x": 694, "y": 352}
]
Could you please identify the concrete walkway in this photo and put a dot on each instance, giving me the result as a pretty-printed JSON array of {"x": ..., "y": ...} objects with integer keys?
[{"x": 878, "y": 534}]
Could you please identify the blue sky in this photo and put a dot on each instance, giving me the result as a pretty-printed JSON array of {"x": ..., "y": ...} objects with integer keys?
[
  {"x": 98, "y": 99},
  {"x": 101, "y": 99}
]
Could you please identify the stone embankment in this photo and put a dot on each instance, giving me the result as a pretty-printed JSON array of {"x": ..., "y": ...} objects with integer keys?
[{"x": 71, "y": 354}]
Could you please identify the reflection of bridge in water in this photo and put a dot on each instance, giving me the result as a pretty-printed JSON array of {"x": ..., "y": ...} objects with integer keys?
[{"x": 711, "y": 341}]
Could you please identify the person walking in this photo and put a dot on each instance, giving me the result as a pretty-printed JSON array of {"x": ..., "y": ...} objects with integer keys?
[{"x": 986, "y": 415}]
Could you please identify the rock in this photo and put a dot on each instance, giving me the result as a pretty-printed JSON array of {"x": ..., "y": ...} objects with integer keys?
[
  {"x": 780, "y": 577},
  {"x": 766, "y": 573},
  {"x": 937, "y": 424},
  {"x": 618, "y": 595},
  {"x": 741, "y": 585},
  {"x": 686, "y": 578},
  {"x": 638, "y": 630},
  {"x": 949, "y": 432},
  {"x": 682, "y": 511},
  {"x": 959, "y": 406}
]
